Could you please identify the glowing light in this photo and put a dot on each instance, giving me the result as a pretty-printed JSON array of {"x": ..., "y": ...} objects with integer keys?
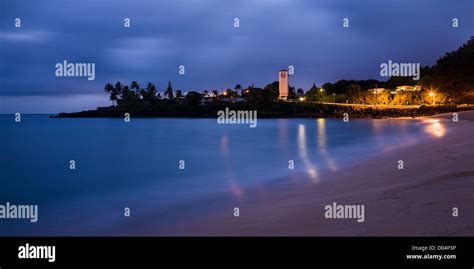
[
  {"x": 435, "y": 128},
  {"x": 321, "y": 133},
  {"x": 303, "y": 152},
  {"x": 432, "y": 95},
  {"x": 301, "y": 99},
  {"x": 236, "y": 191},
  {"x": 224, "y": 145},
  {"x": 322, "y": 143}
]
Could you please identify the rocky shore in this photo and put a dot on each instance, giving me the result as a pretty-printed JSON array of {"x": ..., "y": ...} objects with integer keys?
[{"x": 276, "y": 110}]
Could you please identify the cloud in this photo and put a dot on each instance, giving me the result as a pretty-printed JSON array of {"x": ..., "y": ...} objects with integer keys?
[
  {"x": 140, "y": 53},
  {"x": 201, "y": 36},
  {"x": 25, "y": 36}
]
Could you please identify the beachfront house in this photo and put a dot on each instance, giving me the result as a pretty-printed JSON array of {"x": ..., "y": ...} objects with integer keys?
[
  {"x": 406, "y": 88},
  {"x": 376, "y": 90}
]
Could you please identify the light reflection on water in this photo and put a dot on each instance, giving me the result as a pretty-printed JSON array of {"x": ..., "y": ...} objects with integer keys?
[
  {"x": 399, "y": 130},
  {"x": 380, "y": 131},
  {"x": 234, "y": 188},
  {"x": 310, "y": 168},
  {"x": 435, "y": 127},
  {"x": 228, "y": 160},
  {"x": 322, "y": 144}
]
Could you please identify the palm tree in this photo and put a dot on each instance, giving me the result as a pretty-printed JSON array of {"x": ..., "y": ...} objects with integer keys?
[
  {"x": 118, "y": 88},
  {"x": 142, "y": 93},
  {"x": 150, "y": 92},
  {"x": 119, "y": 92},
  {"x": 134, "y": 86},
  {"x": 109, "y": 88},
  {"x": 179, "y": 94},
  {"x": 300, "y": 92},
  {"x": 126, "y": 94}
]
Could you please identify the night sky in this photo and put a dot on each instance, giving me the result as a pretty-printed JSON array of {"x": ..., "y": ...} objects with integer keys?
[{"x": 201, "y": 36}]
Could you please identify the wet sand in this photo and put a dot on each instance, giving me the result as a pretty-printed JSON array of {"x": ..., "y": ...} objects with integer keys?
[{"x": 438, "y": 176}]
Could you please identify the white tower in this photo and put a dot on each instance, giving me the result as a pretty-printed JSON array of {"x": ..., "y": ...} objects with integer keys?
[{"x": 283, "y": 81}]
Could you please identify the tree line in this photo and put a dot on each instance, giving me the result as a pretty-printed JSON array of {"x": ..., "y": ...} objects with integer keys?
[{"x": 449, "y": 81}]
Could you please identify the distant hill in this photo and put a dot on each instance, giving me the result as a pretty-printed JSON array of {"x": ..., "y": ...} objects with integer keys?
[{"x": 453, "y": 74}]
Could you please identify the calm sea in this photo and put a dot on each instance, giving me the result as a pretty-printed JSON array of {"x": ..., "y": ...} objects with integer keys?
[{"x": 137, "y": 165}]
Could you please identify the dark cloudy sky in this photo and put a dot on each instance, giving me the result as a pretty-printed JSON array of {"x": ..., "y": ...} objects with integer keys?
[{"x": 201, "y": 36}]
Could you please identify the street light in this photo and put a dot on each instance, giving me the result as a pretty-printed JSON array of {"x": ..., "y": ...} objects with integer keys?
[
  {"x": 433, "y": 96},
  {"x": 334, "y": 97}
]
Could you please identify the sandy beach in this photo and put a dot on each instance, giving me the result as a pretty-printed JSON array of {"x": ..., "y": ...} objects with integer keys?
[{"x": 418, "y": 200}]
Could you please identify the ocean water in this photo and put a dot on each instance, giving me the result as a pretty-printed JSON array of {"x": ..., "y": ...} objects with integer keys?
[{"x": 136, "y": 165}]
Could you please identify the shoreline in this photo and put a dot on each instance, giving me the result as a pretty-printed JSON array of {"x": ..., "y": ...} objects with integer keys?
[
  {"x": 415, "y": 201},
  {"x": 277, "y": 110}
]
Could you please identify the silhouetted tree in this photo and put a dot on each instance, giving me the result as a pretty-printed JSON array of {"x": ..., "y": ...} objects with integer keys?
[
  {"x": 452, "y": 75},
  {"x": 149, "y": 93},
  {"x": 291, "y": 93},
  {"x": 229, "y": 93},
  {"x": 215, "y": 94},
  {"x": 127, "y": 95},
  {"x": 118, "y": 88},
  {"x": 110, "y": 89},
  {"x": 315, "y": 94},
  {"x": 354, "y": 94},
  {"x": 179, "y": 94},
  {"x": 169, "y": 91},
  {"x": 193, "y": 98},
  {"x": 269, "y": 95},
  {"x": 134, "y": 86},
  {"x": 300, "y": 92},
  {"x": 238, "y": 89}
]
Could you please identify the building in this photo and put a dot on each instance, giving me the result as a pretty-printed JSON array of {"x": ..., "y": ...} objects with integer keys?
[
  {"x": 376, "y": 90},
  {"x": 206, "y": 100},
  {"x": 283, "y": 84},
  {"x": 406, "y": 88},
  {"x": 234, "y": 99}
]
